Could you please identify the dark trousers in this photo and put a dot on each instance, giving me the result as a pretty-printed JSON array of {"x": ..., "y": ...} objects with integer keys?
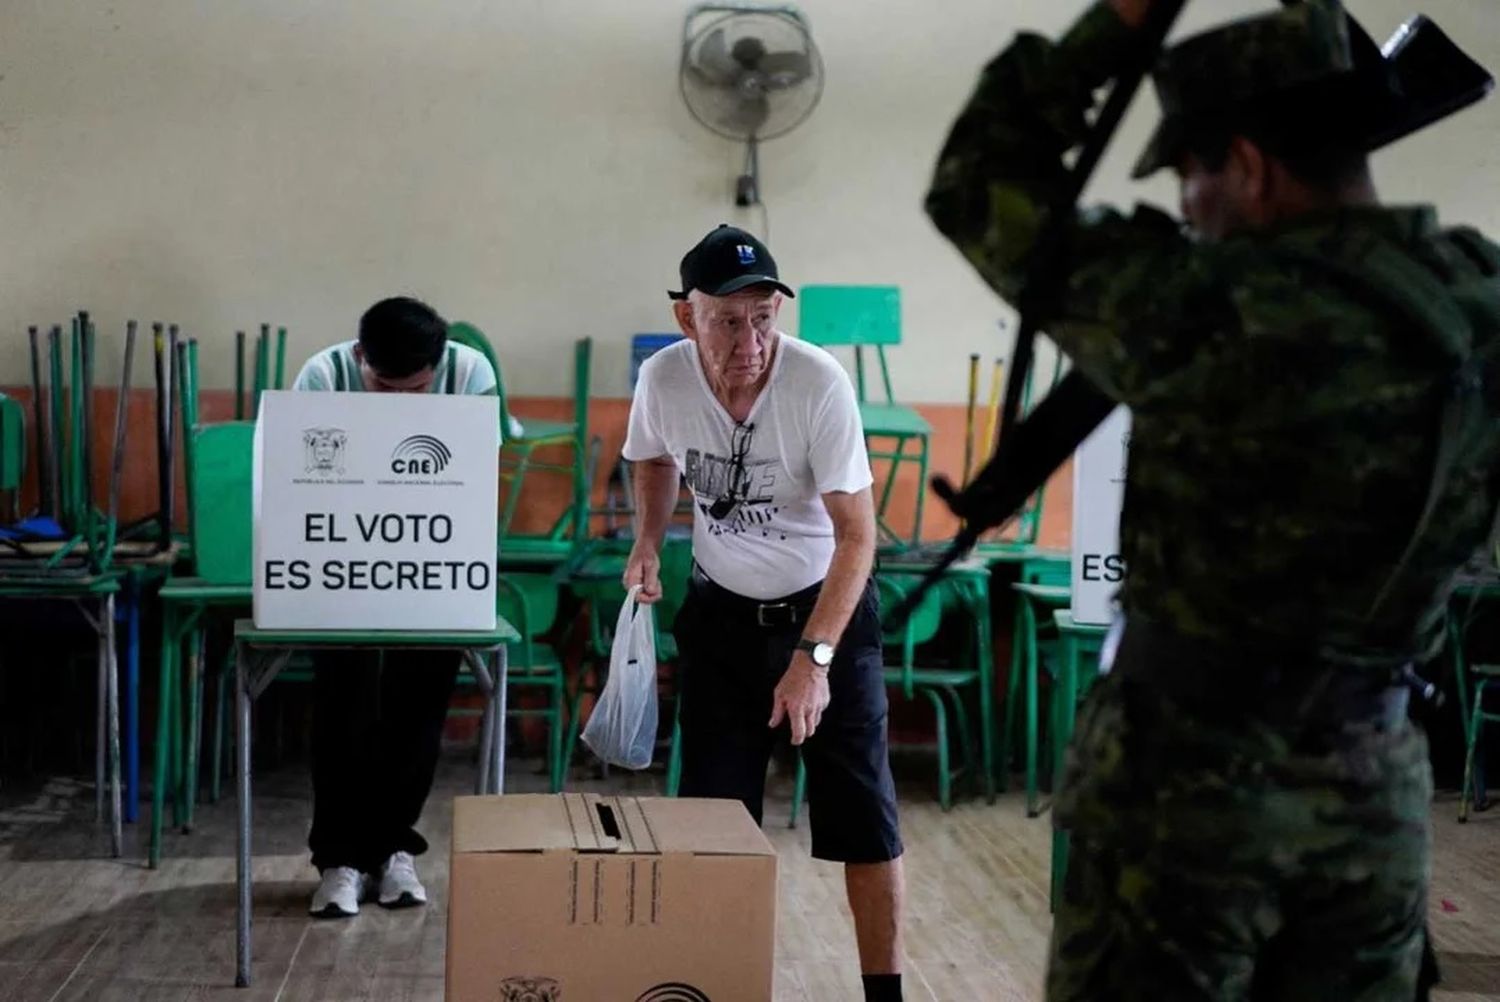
[{"x": 377, "y": 731}]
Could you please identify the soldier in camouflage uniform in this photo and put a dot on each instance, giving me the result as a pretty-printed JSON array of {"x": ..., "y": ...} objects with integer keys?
[{"x": 1313, "y": 457}]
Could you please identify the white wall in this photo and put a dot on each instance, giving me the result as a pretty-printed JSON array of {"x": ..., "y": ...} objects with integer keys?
[{"x": 524, "y": 164}]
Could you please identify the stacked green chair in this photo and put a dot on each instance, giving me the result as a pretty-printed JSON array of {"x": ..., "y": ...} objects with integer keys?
[
  {"x": 520, "y": 440},
  {"x": 870, "y": 316}
]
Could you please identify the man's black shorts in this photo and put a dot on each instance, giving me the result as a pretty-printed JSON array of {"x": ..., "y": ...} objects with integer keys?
[{"x": 730, "y": 665}]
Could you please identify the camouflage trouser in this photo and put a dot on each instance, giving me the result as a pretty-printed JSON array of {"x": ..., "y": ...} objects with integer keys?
[{"x": 1228, "y": 859}]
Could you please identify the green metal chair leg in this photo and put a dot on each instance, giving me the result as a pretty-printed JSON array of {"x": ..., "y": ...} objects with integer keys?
[
  {"x": 1471, "y": 739},
  {"x": 1033, "y": 735},
  {"x": 166, "y": 682},
  {"x": 945, "y": 778},
  {"x": 965, "y": 738},
  {"x": 1014, "y": 688},
  {"x": 799, "y": 790},
  {"x": 916, "y": 532},
  {"x": 179, "y": 739},
  {"x": 555, "y": 738},
  {"x": 985, "y": 656},
  {"x": 517, "y": 478},
  {"x": 575, "y": 702},
  {"x": 674, "y": 757},
  {"x": 193, "y": 730}
]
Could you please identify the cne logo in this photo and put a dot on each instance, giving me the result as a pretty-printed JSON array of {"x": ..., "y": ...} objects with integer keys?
[
  {"x": 674, "y": 992},
  {"x": 420, "y": 455},
  {"x": 746, "y": 253}
]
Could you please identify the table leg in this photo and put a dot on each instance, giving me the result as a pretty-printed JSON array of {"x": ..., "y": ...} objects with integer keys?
[
  {"x": 242, "y": 795},
  {"x": 487, "y": 720},
  {"x": 111, "y": 665}
]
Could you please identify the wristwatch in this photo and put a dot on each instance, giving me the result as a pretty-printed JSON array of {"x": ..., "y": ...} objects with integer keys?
[{"x": 820, "y": 651}]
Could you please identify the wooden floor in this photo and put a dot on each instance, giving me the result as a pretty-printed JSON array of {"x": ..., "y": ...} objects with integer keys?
[{"x": 76, "y": 925}]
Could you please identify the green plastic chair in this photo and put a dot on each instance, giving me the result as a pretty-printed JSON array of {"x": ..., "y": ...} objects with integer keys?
[
  {"x": 939, "y": 685},
  {"x": 12, "y": 451},
  {"x": 870, "y": 316},
  {"x": 528, "y": 601},
  {"x": 520, "y": 439}
]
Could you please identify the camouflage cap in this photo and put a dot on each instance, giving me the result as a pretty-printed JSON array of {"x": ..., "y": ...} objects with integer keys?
[{"x": 1250, "y": 61}]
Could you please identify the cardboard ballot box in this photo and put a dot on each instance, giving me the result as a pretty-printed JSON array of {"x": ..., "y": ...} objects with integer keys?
[
  {"x": 582, "y": 898},
  {"x": 375, "y": 511}
]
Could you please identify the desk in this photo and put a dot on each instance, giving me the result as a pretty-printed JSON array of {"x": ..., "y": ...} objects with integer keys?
[
  {"x": 94, "y": 597},
  {"x": 260, "y": 654},
  {"x": 1079, "y": 640}
]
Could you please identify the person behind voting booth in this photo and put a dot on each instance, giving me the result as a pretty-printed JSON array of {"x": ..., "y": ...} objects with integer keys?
[
  {"x": 378, "y": 716},
  {"x": 1315, "y": 453},
  {"x": 780, "y": 626}
]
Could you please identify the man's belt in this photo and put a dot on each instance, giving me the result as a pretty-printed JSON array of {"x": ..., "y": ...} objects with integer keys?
[
  {"x": 773, "y": 614},
  {"x": 1277, "y": 682}
]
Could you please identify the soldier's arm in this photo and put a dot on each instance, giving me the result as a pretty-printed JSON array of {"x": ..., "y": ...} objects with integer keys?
[{"x": 1131, "y": 280}]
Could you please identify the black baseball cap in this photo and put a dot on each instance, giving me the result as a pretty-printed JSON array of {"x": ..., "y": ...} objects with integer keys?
[{"x": 727, "y": 260}]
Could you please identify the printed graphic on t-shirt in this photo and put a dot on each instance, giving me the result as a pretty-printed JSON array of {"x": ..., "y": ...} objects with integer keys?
[{"x": 736, "y": 493}]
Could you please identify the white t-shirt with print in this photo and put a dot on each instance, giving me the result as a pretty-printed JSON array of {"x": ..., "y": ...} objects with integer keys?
[{"x": 760, "y": 528}]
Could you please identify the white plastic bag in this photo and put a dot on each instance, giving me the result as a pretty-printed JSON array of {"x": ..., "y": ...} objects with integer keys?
[{"x": 622, "y": 728}]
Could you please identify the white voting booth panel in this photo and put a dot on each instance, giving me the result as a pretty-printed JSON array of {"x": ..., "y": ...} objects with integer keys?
[
  {"x": 375, "y": 511},
  {"x": 1098, "y": 494}
]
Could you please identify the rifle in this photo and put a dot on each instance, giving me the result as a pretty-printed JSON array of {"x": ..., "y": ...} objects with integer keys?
[{"x": 1028, "y": 451}]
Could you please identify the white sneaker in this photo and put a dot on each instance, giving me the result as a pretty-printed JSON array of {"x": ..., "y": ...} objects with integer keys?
[
  {"x": 399, "y": 886},
  {"x": 339, "y": 894}
]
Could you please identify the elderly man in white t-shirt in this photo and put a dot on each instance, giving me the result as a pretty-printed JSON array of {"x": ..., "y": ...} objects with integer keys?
[{"x": 781, "y": 626}]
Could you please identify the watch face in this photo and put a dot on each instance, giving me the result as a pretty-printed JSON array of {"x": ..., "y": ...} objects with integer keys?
[{"x": 822, "y": 655}]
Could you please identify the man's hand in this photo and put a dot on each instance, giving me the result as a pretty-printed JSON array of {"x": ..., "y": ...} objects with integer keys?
[
  {"x": 801, "y": 697},
  {"x": 643, "y": 567},
  {"x": 1132, "y": 12}
]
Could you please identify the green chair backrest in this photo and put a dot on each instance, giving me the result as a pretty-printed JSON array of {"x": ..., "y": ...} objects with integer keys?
[
  {"x": 465, "y": 333},
  {"x": 857, "y": 315},
  {"x": 528, "y": 601},
  {"x": 921, "y": 626},
  {"x": 221, "y": 493},
  {"x": 12, "y": 443}
]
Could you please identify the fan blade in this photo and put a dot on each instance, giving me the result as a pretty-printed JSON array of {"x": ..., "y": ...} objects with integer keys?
[
  {"x": 714, "y": 60},
  {"x": 785, "y": 68},
  {"x": 748, "y": 115}
]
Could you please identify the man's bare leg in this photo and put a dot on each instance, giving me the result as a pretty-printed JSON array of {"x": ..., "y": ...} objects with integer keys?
[{"x": 876, "y": 891}]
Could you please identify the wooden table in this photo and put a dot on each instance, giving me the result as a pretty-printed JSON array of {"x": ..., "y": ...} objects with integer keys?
[{"x": 260, "y": 654}]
